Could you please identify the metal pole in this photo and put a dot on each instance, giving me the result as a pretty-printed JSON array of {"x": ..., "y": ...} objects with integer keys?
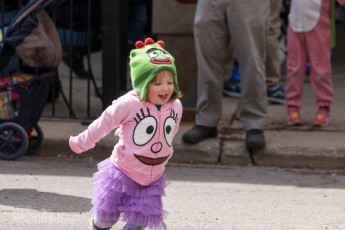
[{"x": 114, "y": 49}]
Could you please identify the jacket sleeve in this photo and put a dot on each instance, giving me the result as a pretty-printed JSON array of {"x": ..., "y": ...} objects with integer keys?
[
  {"x": 110, "y": 119},
  {"x": 179, "y": 112}
]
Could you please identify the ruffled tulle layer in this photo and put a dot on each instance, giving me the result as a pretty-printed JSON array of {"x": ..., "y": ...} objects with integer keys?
[{"x": 115, "y": 195}]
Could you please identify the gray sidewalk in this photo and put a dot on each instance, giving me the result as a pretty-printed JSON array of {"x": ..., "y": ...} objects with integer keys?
[{"x": 286, "y": 147}]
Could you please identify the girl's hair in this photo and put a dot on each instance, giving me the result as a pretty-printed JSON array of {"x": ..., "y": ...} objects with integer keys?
[{"x": 175, "y": 95}]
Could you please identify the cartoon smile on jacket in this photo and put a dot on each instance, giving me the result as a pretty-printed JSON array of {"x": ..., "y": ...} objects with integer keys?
[
  {"x": 151, "y": 161},
  {"x": 147, "y": 129},
  {"x": 159, "y": 56}
]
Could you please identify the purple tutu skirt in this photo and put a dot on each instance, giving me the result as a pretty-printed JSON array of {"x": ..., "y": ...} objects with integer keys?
[{"x": 115, "y": 195}]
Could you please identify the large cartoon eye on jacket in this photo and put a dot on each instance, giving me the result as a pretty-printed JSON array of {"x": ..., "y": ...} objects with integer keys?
[
  {"x": 169, "y": 127},
  {"x": 145, "y": 131}
]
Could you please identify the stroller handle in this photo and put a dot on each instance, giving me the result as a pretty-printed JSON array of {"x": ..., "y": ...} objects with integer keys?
[
  {"x": 30, "y": 7},
  {"x": 35, "y": 4}
]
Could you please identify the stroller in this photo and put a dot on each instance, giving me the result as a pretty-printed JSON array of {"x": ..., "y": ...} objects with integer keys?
[{"x": 31, "y": 47}]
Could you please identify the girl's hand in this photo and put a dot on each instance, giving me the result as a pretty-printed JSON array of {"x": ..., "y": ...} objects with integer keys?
[{"x": 73, "y": 144}]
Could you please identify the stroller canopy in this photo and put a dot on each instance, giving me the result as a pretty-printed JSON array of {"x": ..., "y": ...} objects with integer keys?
[{"x": 32, "y": 34}]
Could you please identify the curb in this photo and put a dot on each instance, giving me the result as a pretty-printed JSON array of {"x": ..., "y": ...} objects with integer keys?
[{"x": 285, "y": 148}]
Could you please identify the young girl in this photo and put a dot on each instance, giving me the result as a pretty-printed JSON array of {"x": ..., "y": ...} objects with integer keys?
[
  {"x": 308, "y": 39},
  {"x": 131, "y": 182}
]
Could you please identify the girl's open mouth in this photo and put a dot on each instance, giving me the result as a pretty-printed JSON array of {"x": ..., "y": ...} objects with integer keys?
[{"x": 163, "y": 97}]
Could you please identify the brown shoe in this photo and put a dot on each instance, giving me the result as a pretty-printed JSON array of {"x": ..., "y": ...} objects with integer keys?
[
  {"x": 255, "y": 139},
  {"x": 199, "y": 133}
]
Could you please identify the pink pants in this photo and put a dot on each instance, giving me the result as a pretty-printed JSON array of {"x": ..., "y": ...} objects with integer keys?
[{"x": 313, "y": 46}]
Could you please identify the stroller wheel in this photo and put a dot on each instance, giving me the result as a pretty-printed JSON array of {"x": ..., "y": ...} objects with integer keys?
[
  {"x": 35, "y": 140},
  {"x": 13, "y": 141}
]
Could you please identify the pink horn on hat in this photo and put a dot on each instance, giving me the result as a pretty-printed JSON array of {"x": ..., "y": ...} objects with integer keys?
[
  {"x": 161, "y": 43},
  {"x": 149, "y": 41},
  {"x": 139, "y": 44}
]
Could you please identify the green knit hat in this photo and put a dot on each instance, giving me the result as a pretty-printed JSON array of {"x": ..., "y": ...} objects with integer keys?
[{"x": 146, "y": 61}]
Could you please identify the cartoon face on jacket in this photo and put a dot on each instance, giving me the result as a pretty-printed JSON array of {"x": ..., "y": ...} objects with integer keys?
[{"x": 149, "y": 133}]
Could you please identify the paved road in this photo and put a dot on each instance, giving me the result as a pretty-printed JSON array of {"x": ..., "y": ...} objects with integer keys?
[{"x": 55, "y": 194}]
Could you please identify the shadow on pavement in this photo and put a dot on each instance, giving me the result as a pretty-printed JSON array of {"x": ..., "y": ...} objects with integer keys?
[{"x": 43, "y": 201}]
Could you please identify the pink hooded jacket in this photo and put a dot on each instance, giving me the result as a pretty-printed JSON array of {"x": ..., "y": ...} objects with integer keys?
[{"x": 145, "y": 136}]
